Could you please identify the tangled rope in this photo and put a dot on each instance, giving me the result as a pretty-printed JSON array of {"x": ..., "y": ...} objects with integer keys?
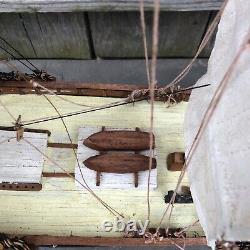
[
  {"x": 14, "y": 243},
  {"x": 171, "y": 95},
  {"x": 152, "y": 237}
]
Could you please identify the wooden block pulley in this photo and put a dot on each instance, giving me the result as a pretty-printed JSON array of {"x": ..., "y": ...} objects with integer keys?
[{"x": 175, "y": 161}]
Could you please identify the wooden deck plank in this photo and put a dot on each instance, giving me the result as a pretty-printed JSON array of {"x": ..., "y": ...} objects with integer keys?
[
  {"x": 118, "y": 34},
  {"x": 106, "y": 5},
  {"x": 58, "y": 35},
  {"x": 60, "y": 208},
  {"x": 20, "y": 163}
]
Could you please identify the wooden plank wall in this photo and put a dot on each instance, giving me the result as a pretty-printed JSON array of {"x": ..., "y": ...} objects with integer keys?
[
  {"x": 119, "y": 34},
  {"x": 105, "y": 5},
  {"x": 82, "y": 35}
]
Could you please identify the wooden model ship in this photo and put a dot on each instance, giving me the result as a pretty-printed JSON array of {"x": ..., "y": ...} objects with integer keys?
[{"x": 58, "y": 94}]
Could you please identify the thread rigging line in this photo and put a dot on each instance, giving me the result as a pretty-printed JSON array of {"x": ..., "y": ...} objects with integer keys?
[
  {"x": 67, "y": 173},
  {"x": 107, "y": 106},
  {"x": 51, "y": 118},
  {"x": 175, "y": 81},
  {"x": 6, "y": 51},
  {"x": 206, "y": 119},
  {"x": 143, "y": 27},
  {"x": 20, "y": 54},
  {"x": 145, "y": 46},
  {"x": 78, "y": 163},
  {"x": 36, "y": 84},
  {"x": 205, "y": 40},
  {"x": 8, "y": 111},
  {"x": 114, "y": 104},
  {"x": 180, "y": 76},
  {"x": 152, "y": 85},
  {"x": 112, "y": 210}
]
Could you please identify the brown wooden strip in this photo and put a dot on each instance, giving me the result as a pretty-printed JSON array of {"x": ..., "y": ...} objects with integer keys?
[
  {"x": 57, "y": 175},
  {"x": 69, "y": 88},
  {"x": 136, "y": 178},
  {"x": 98, "y": 178},
  {"x": 20, "y": 186},
  {"x": 42, "y": 240},
  {"x": 31, "y": 130},
  {"x": 72, "y": 85},
  {"x": 62, "y": 145}
]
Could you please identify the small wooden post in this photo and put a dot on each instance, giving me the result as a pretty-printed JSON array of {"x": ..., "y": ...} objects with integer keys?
[
  {"x": 175, "y": 161},
  {"x": 98, "y": 178},
  {"x": 136, "y": 179}
]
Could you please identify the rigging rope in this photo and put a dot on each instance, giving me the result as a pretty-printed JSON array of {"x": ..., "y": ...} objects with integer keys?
[
  {"x": 180, "y": 76},
  {"x": 78, "y": 163},
  {"x": 212, "y": 27},
  {"x": 9, "y": 53},
  {"x": 206, "y": 118},
  {"x": 151, "y": 82},
  {"x": 41, "y": 74},
  {"x": 36, "y": 84},
  {"x": 14, "y": 243},
  {"x": 7, "y": 110},
  {"x": 112, "y": 210},
  {"x": 136, "y": 96},
  {"x": 19, "y": 53},
  {"x": 143, "y": 27}
]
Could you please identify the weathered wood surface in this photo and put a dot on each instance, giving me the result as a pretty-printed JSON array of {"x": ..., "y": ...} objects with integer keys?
[
  {"x": 110, "y": 180},
  {"x": 69, "y": 88},
  {"x": 104, "y": 5},
  {"x": 60, "y": 208},
  {"x": 102, "y": 34},
  {"x": 58, "y": 35},
  {"x": 119, "y": 140},
  {"x": 36, "y": 240},
  {"x": 119, "y": 163},
  {"x": 117, "y": 71},
  {"x": 119, "y": 34},
  {"x": 45, "y": 35},
  {"x": 19, "y": 162},
  {"x": 12, "y": 29}
]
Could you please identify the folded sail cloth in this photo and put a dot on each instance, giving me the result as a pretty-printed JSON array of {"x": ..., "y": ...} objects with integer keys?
[{"x": 219, "y": 170}]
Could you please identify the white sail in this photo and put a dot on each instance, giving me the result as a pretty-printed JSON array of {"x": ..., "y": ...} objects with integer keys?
[{"x": 219, "y": 172}]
